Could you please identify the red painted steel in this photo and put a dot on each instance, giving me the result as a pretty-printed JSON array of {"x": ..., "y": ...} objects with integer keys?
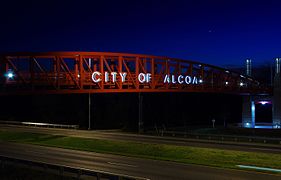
[{"x": 71, "y": 72}]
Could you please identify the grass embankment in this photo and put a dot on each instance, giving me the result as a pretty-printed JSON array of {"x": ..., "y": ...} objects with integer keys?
[{"x": 183, "y": 154}]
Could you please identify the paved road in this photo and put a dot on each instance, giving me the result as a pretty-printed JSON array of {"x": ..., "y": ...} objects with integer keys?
[
  {"x": 251, "y": 147},
  {"x": 145, "y": 168}
]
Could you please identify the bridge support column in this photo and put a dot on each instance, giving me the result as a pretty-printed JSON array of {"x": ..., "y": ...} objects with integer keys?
[
  {"x": 277, "y": 96},
  {"x": 248, "y": 112},
  {"x": 276, "y": 123}
]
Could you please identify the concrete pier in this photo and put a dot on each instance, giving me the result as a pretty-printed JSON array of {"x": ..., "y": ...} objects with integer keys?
[
  {"x": 277, "y": 96},
  {"x": 248, "y": 112}
]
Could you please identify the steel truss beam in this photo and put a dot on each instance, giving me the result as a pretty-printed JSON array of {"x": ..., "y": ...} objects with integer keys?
[{"x": 71, "y": 72}]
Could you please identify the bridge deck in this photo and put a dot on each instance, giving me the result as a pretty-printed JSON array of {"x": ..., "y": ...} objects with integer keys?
[{"x": 72, "y": 72}]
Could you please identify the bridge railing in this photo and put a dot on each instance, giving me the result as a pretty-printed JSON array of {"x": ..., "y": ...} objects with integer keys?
[{"x": 72, "y": 72}]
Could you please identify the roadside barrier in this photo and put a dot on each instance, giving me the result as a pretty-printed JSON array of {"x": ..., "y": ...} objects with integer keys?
[
  {"x": 49, "y": 125},
  {"x": 220, "y": 138},
  {"x": 64, "y": 170}
]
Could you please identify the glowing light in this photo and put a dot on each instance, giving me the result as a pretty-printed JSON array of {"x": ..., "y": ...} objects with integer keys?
[
  {"x": 10, "y": 75},
  {"x": 226, "y": 83},
  {"x": 180, "y": 79},
  {"x": 263, "y": 102},
  {"x": 259, "y": 168},
  {"x": 241, "y": 84},
  {"x": 277, "y": 126},
  {"x": 95, "y": 77},
  {"x": 107, "y": 77},
  {"x": 142, "y": 77},
  {"x": 253, "y": 108},
  {"x": 200, "y": 81}
]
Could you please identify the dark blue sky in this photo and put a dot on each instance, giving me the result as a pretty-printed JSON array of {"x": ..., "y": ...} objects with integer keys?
[{"x": 215, "y": 32}]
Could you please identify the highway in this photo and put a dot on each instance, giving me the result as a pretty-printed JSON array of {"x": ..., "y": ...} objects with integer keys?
[
  {"x": 136, "y": 167},
  {"x": 249, "y": 147}
]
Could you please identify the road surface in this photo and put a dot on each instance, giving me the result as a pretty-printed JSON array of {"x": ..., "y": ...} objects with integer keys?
[{"x": 144, "y": 168}]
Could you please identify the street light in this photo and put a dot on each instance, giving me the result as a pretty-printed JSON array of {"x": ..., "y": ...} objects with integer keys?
[
  {"x": 213, "y": 121},
  {"x": 10, "y": 74}
]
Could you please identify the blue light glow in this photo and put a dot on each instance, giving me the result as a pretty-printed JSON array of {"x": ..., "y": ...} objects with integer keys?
[
  {"x": 253, "y": 108},
  {"x": 259, "y": 168},
  {"x": 10, "y": 75}
]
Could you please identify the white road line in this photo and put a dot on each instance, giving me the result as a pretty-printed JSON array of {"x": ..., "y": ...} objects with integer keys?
[
  {"x": 259, "y": 168},
  {"x": 122, "y": 164},
  {"x": 34, "y": 152}
]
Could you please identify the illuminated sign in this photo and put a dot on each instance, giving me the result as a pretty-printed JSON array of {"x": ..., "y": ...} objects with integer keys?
[
  {"x": 180, "y": 79},
  {"x": 96, "y": 76},
  {"x": 144, "y": 78}
]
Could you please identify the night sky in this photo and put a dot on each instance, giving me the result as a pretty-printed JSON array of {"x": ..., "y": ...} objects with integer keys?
[{"x": 215, "y": 32}]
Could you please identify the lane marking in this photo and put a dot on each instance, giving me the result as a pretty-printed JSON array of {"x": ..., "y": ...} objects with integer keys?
[
  {"x": 259, "y": 168},
  {"x": 35, "y": 152},
  {"x": 122, "y": 164}
]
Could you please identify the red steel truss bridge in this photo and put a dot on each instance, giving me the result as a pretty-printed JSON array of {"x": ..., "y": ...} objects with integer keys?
[{"x": 72, "y": 72}]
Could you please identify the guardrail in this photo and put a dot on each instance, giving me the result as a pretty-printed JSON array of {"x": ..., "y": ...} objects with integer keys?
[
  {"x": 62, "y": 170},
  {"x": 49, "y": 125},
  {"x": 221, "y": 138}
]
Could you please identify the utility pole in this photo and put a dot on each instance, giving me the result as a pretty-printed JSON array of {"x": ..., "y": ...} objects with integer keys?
[
  {"x": 140, "y": 123},
  {"x": 89, "y": 115},
  {"x": 89, "y": 127}
]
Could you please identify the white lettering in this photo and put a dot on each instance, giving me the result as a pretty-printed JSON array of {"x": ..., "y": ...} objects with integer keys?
[
  {"x": 94, "y": 76},
  {"x": 141, "y": 77},
  {"x": 187, "y": 79},
  {"x": 173, "y": 79},
  {"x": 145, "y": 78},
  {"x": 123, "y": 76},
  {"x": 167, "y": 79},
  {"x": 106, "y": 77},
  {"x": 113, "y": 74},
  {"x": 195, "y": 81},
  {"x": 180, "y": 79},
  {"x": 148, "y": 77}
]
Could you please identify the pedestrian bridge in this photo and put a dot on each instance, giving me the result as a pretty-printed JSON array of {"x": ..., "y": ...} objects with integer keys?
[{"x": 104, "y": 72}]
